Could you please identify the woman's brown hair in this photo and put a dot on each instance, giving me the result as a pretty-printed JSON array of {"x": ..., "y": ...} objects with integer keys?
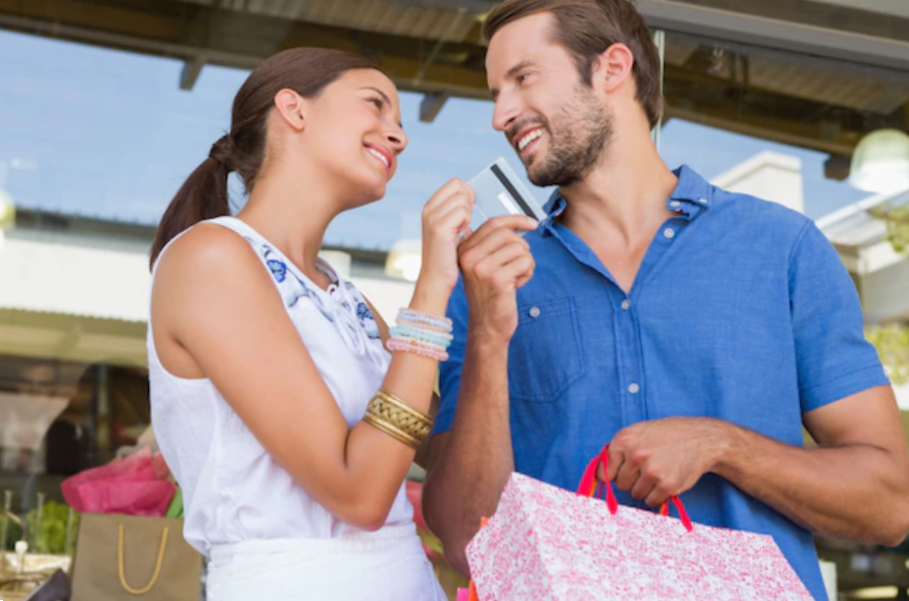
[{"x": 307, "y": 71}]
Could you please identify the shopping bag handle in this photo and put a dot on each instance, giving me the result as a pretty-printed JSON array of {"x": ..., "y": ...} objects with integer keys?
[
  {"x": 472, "y": 587},
  {"x": 591, "y": 486},
  {"x": 121, "y": 571}
]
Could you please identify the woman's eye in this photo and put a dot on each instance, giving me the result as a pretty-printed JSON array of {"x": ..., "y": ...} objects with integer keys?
[{"x": 378, "y": 102}]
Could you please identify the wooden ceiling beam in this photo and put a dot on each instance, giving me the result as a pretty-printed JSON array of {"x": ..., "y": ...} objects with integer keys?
[{"x": 241, "y": 40}]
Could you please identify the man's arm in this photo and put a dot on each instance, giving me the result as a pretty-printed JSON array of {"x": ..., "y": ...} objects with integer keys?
[
  {"x": 469, "y": 465},
  {"x": 855, "y": 485}
]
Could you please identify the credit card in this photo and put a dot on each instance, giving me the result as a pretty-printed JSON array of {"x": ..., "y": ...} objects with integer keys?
[{"x": 500, "y": 192}]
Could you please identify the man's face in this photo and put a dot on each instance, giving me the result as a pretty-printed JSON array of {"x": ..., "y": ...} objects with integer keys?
[{"x": 553, "y": 120}]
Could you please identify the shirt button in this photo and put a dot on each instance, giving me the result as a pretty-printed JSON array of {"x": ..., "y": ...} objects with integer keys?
[
  {"x": 703, "y": 201},
  {"x": 675, "y": 204},
  {"x": 626, "y": 304},
  {"x": 634, "y": 388},
  {"x": 534, "y": 312},
  {"x": 669, "y": 233}
]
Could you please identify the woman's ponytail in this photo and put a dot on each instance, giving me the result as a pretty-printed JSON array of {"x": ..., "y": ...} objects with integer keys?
[{"x": 202, "y": 196}]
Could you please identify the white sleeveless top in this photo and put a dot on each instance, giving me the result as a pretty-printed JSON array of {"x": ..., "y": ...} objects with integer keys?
[{"x": 233, "y": 490}]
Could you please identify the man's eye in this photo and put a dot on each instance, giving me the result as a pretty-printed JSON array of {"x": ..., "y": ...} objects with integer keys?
[{"x": 523, "y": 77}]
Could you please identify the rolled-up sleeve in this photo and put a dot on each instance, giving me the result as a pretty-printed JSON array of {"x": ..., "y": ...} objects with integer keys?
[{"x": 834, "y": 359}]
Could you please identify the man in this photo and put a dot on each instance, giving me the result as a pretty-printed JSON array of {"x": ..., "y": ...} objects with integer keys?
[{"x": 696, "y": 329}]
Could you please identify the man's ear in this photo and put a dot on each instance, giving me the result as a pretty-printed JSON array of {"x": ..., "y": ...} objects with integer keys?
[{"x": 613, "y": 68}]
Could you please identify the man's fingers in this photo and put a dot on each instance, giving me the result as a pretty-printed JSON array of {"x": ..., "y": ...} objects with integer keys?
[
  {"x": 659, "y": 495},
  {"x": 643, "y": 487},
  {"x": 526, "y": 271},
  {"x": 491, "y": 226},
  {"x": 627, "y": 476},
  {"x": 500, "y": 262},
  {"x": 616, "y": 459},
  {"x": 472, "y": 252}
]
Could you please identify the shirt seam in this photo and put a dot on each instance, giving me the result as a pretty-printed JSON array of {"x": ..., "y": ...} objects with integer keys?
[
  {"x": 840, "y": 377},
  {"x": 797, "y": 245}
]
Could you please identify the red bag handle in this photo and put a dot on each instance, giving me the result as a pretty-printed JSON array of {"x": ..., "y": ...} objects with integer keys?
[
  {"x": 592, "y": 487},
  {"x": 472, "y": 589}
]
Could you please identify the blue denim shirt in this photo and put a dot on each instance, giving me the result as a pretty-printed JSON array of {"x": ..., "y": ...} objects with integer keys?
[{"x": 741, "y": 311}]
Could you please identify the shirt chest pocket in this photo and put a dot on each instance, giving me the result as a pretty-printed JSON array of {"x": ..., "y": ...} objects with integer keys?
[{"x": 546, "y": 355}]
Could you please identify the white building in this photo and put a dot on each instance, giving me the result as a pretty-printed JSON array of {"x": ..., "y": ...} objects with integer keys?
[{"x": 75, "y": 288}]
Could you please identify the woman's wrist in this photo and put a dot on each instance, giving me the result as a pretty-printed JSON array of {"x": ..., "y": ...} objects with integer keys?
[{"x": 430, "y": 297}]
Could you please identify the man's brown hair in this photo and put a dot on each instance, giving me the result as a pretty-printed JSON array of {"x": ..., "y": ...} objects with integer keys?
[{"x": 586, "y": 28}]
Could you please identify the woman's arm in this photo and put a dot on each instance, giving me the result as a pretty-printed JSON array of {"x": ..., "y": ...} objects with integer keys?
[
  {"x": 213, "y": 298},
  {"x": 422, "y": 456}
]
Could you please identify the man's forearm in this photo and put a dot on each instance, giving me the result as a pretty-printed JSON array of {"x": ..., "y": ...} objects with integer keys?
[
  {"x": 857, "y": 492},
  {"x": 467, "y": 479}
]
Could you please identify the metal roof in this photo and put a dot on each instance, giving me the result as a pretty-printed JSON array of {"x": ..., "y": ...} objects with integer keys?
[
  {"x": 419, "y": 20},
  {"x": 858, "y": 225}
]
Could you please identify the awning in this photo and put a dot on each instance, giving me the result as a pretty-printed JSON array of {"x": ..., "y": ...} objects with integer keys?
[{"x": 38, "y": 273}]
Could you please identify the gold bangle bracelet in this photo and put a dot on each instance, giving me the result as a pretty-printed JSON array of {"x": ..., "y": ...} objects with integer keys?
[
  {"x": 392, "y": 431},
  {"x": 393, "y": 416},
  {"x": 390, "y": 407},
  {"x": 404, "y": 407}
]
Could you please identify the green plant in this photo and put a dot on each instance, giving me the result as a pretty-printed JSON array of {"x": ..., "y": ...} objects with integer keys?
[
  {"x": 13, "y": 533},
  {"x": 897, "y": 220},
  {"x": 52, "y": 534},
  {"x": 892, "y": 344}
]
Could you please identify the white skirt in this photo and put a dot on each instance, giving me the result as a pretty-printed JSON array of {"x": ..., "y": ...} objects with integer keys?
[{"x": 387, "y": 565}]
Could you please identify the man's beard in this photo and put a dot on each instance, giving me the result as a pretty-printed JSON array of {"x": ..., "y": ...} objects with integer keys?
[{"x": 578, "y": 136}]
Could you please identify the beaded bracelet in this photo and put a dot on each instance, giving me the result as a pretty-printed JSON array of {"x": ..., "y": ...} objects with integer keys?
[
  {"x": 438, "y": 338},
  {"x": 421, "y": 333},
  {"x": 405, "y": 328},
  {"x": 419, "y": 317},
  {"x": 396, "y": 344},
  {"x": 426, "y": 329}
]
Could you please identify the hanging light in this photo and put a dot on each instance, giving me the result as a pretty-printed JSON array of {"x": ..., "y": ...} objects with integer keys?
[
  {"x": 874, "y": 592},
  {"x": 7, "y": 210},
  {"x": 880, "y": 162},
  {"x": 405, "y": 259},
  {"x": 7, "y": 215}
]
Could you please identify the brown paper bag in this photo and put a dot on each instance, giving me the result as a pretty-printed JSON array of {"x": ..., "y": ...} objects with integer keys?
[{"x": 125, "y": 558}]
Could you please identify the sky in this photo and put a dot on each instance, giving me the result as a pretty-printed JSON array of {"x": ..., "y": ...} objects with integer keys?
[{"x": 109, "y": 134}]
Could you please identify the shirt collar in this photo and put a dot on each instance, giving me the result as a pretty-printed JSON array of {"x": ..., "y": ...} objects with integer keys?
[{"x": 691, "y": 197}]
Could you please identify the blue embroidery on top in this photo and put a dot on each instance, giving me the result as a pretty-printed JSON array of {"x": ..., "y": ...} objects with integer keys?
[
  {"x": 292, "y": 288},
  {"x": 363, "y": 311},
  {"x": 364, "y": 315},
  {"x": 278, "y": 269}
]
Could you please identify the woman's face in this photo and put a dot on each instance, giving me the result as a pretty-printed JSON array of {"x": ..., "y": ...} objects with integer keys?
[{"x": 353, "y": 130}]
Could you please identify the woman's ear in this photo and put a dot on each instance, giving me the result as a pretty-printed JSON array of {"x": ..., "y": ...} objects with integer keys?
[{"x": 292, "y": 108}]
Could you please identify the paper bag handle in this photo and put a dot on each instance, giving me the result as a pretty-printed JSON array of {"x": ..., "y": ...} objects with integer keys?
[
  {"x": 121, "y": 571},
  {"x": 592, "y": 487}
]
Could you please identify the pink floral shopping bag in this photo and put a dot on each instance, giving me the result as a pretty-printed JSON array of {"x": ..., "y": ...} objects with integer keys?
[{"x": 548, "y": 544}]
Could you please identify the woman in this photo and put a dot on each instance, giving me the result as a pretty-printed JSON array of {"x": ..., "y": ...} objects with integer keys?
[{"x": 257, "y": 397}]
